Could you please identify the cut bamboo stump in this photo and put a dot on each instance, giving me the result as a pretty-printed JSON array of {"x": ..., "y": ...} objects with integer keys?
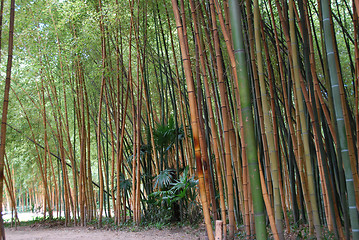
[{"x": 219, "y": 230}]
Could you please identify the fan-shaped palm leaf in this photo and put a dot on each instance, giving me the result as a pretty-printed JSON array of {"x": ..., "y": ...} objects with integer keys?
[{"x": 164, "y": 178}]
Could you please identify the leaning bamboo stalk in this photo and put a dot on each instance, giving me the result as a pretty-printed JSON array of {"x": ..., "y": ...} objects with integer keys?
[
  {"x": 297, "y": 143},
  {"x": 70, "y": 155},
  {"x": 38, "y": 158},
  {"x": 82, "y": 135},
  {"x": 140, "y": 83},
  {"x": 202, "y": 135},
  {"x": 348, "y": 127},
  {"x": 138, "y": 152},
  {"x": 90, "y": 190},
  {"x": 56, "y": 188},
  {"x": 153, "y": 146},
  {"x": 67, "y": 131},
  {"x": 113, "y": 148},
  {"x": 282, "y": 76},
  {"x": 119, "y": 103},
  {"x": 5, "y": 109}
]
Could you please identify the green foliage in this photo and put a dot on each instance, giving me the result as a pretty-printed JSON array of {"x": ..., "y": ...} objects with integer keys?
[
  {"x": 125, "y": 184},
  {"x": 164, "y": 179},
  {"x": 165, "y": 135},
  {"x": 176, "y": 202},
  {"x": 302, "y": 232}
]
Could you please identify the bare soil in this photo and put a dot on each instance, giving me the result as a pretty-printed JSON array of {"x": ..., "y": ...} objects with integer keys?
[{"x": 54, "y": 232}]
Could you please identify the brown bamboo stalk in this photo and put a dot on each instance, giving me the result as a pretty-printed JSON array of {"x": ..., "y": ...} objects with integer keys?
[
  {"x": 5, "y": 109},
  {"x": 120, "y": 153},
  {"x": 268, "y": 204},
  {"x": 46, "y": 149},
  {"x": 208, "y": 174},
  {"x": 214, "y": 130},
  {"x": 226, "y": 124}
]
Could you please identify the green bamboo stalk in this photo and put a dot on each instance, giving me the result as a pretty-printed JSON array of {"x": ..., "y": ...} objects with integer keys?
[
  {"x": 247, "y": 116},
  {"x": 338, "y": 112},
  {"x": 268, "y": 124}
]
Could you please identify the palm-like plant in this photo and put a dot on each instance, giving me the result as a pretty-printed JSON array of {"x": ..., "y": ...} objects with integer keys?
[
  {"x": 165, "y": 136},
  {"x": 184, "y": 188},
  {"x": 174, "y": 196},
  {"x": 164, "y": 179}
]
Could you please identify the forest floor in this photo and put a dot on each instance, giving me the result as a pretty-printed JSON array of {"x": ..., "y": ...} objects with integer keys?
[
  {"x": 84, "y": 233},
  {"x": 34, "y": 227},
  {"x": 54, "y": 230}
]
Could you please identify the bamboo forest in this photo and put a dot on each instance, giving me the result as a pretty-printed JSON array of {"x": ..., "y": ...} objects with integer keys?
[{"x": 240, "y": 116}]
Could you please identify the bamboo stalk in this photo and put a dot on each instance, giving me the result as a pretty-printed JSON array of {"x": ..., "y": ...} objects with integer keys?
[
  {"x": 338, "y": 111},
  {"x": 194, "y": 114},
  {"x": 251, "y": 149}
]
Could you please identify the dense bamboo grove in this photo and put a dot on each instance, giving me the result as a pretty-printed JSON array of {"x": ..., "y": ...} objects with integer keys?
[{"x": 114, "y": 104}]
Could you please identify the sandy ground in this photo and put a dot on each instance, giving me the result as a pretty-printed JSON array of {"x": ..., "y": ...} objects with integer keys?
[{"x": 84, "y": 233}]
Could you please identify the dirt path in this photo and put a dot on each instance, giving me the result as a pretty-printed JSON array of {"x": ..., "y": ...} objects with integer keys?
[{"x": 84, "y": 233}]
